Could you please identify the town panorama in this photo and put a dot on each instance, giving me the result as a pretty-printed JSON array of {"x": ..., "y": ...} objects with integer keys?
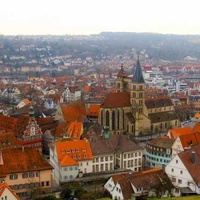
[{"x": 113, "y": 115}]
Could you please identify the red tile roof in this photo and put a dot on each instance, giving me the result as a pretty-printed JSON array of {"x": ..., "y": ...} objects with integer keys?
[
  {"x": 17, "y": 160},
  {"x": 4, "y": 186},
  {"x": 7, "y": 123},
  {"x": 93, "y": 111},
  {"x": 116, "y": 100},
  {"x": 77, "y": 150},
  {"x": 193, "y": 168},
  {"x": 176, "y": 132},
  {"x": 75, "y": 130},
  {"x": 73, "y": 112}
]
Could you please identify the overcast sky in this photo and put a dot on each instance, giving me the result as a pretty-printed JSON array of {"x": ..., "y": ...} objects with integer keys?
[{"x": 35, "y": 17}]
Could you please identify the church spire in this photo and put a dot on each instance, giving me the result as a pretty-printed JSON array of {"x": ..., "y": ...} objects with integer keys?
[{"x": 137, "y": 76}]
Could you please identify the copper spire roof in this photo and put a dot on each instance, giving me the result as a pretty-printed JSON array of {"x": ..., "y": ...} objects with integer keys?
[
  {"x": 121, "y": 72},
  {"x": 137, "y": 76}
]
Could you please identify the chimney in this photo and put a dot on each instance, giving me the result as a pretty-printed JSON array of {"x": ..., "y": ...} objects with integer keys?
[{"x": 193, "y": 157}]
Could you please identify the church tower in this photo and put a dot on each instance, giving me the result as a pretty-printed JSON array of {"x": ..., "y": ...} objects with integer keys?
[
  {"x": 137, "y": 96},
  {"x": 121, "y": 83}
]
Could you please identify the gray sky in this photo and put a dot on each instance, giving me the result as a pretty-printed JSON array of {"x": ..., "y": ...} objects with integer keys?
[{"x": 35, "y": 17}]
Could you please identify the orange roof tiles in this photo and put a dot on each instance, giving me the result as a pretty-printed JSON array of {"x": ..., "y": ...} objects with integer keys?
[
  {"x": 197, "y": 115},
  {"x": 93, "y": 110},
  {"x": 7, "y": 123},
  {"x": 75, "y": 130},
  {"x": 22, "y": 160},
  {"x": 176, "y": 132},
  {"x": 78, "y": 150},
  {"x": 67, "y": 161},
  {"x": 4, "y": 186},
  {"x": 188, "y": 140},
  {"x": 26, "y": 101},
  {"x": 7, "y": 140},
  {"x": 74, "y": 112}
]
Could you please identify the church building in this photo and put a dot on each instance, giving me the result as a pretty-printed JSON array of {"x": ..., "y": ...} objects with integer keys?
[{"x": 127, "y": 111}]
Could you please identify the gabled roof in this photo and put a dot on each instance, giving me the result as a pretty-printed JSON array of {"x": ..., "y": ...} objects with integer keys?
[
  {"x": 116, "y": 100},
  {"x": 7, "y": 139},
  {"x": 196, "y": 128},
  {"x": 188, "y": 140},
  {"x": 191, "y": 160},
  {"x": 115, "y": 142},
  {"x": 75, "y": 130},
  {"x": 162, "y": 116},
  {"x": 26, "y": 101},
  {"x": 93, "y": 111},
  {"x": 146, "y": 179},
  {"x": 22, "y": 160},
  {"x": 78, "y": 150},
  {"x": 176, "y": 132},
  {"x": 73, "y": 112},
  {"x": 22, "y": 129},
  {"x": 47, "y": 123},
  {"x": 158, "y": 102},
  {"x": 162, "y": 142},
  {"x": 4, "y": 186},
  {"x": 67, "y": 161},
  {"x": 7, "y": 123}
]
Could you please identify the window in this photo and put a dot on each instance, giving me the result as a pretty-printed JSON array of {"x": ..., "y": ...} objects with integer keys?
[
  {"x": 31, "y": 175},
  {"x": 176, "y": 161},
  {"x": 13, "y": 176},
  {"x": 179, "y": 181},
  {"x": 181, "y": 172},
  {"x": 47, "y": 183},
  {"x": 172, "y": 170},
  {"x": 25, "y": 175}
]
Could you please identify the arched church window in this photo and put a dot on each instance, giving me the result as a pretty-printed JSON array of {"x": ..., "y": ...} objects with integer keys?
[{"x": 107, "y": 118}]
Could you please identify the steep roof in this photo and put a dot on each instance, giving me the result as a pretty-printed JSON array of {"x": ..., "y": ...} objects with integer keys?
[
  {"x": 78, "y": 150},
  {"x": 162, "y": 116},
  {"x": 193, "y": 168},
  {"x": 122, "y": 72},
  {"x": 22, "y": 160},
  {"x": 75, "y": 130},
  {"x": 115, "y": 142},
  {"x": 4, "y": 186},
  {"x": 162, "y": 142},
  {"x": 93, "y": 111},
  {"x": 158, "y": 102},
  {"x": 67, "y": 161},
  {"x": 7, "y": 123},
  {"x": 7, "y": 139},
  {"x": 188, "y": 140},
  {"x": 146, "y": 179},
  {"x": 74, "y": 112},
  {"x": 116, "y": 100},
  {"x": 138, "y": 76},
  {"x": 176, "y": 132}
]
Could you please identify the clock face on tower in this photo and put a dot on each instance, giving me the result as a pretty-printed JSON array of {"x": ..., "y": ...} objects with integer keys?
[{"x": 32, "y": 130}]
